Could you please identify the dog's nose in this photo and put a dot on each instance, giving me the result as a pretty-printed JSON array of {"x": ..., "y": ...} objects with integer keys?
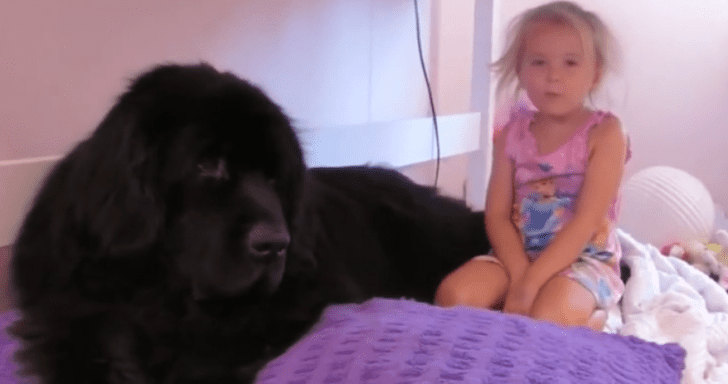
[{"x": 267, "y": 242}]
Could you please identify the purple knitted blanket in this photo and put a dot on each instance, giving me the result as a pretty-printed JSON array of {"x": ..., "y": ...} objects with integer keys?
[
  {"x": 398, "y": 341},
  {"x": 8, "y": 346}
]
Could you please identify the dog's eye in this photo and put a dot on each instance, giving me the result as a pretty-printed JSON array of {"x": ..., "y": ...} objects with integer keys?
[{"x": 214, "y": 169}]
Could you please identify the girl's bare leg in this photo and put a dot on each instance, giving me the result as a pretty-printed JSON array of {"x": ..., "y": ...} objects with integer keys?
[
  {"x": 477, "y": 283},
  {"x": 564, "y": 301}
]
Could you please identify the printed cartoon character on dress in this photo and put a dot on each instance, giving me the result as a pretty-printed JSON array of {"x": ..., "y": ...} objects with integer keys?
[{"x": 542, "y": 213}]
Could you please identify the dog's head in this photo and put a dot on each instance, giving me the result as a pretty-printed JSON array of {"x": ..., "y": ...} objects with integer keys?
[{"x": 191, "y": 181}]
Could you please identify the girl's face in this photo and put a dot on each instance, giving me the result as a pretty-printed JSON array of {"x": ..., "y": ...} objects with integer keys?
[{"x": 558, "y": 68}]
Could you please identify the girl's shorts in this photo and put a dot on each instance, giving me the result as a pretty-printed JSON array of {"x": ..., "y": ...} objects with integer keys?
[{"x": 596, "y": 276}]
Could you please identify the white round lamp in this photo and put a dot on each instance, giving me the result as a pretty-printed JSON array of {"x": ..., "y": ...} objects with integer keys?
[{"x": 664, "y": 205}]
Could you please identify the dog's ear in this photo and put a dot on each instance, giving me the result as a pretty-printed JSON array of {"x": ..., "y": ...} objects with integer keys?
[{"x": 95, "y": 216}]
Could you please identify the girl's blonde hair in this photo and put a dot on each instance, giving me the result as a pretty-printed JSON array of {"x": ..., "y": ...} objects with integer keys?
[{"x": 559, "y": 12}]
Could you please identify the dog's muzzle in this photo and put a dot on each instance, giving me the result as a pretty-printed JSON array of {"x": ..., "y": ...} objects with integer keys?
[{"x": 256, "y": 275}]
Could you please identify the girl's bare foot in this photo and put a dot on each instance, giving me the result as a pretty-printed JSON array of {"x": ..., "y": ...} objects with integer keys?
[{"x": 597, "y": 320}]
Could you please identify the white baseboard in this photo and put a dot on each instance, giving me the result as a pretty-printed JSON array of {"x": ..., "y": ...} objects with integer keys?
[
  {"x": 19, "y": 183},
  {"x": 396, "y": 144}
]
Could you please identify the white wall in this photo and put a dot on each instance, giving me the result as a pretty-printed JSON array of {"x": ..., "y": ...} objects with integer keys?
[
  {"x": 673, "y": 94},
  {"x": 329, "y": 63}
]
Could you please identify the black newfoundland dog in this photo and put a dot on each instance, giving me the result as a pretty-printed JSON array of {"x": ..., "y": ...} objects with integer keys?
[{"x": 185, "y": 241}]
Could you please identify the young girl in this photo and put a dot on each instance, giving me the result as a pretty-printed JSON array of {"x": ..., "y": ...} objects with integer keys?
[{"x": 551, "y": 201}]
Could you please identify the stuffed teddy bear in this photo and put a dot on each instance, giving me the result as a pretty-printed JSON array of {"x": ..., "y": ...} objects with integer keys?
[
  {"x": 711, "y": 258},
  {"x": 720, "y": 238}
]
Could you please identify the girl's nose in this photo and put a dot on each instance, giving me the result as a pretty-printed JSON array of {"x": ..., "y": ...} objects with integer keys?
[{"x": 554, "y": 73}]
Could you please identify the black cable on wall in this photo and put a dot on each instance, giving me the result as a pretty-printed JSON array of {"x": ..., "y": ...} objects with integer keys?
[{"x": 429, "y": 92}]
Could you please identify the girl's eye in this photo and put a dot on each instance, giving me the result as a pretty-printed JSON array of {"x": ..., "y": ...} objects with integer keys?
[
  {"x": 572, "y": 63},
  {"x": 538, "y": 62}
]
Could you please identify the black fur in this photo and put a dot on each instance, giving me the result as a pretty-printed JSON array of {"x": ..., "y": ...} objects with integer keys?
[{"x": 185, "y": 241}]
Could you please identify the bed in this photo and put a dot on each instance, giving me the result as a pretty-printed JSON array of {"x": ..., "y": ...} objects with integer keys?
[{"x": 670, "y": 327}]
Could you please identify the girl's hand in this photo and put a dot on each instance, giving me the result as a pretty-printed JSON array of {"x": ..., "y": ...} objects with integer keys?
[
  {"x": 520, "y": 298},
  {"x": 522, "y": 293},
  {"x": 513, "y": 302}
]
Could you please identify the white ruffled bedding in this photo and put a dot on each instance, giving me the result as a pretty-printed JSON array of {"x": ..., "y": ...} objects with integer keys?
[{"x": 668, "y": 300}]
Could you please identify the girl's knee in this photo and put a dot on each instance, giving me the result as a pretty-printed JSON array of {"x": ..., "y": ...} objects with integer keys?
[
  {"x": 565, "y": 302},
  {"x": 594, "y": 319},
  {"x": 447, "y": 295},
  {"x": 454, "y": 290},
  {"x": 562, "y": 313},
  {"x": 478, "y": 284}
]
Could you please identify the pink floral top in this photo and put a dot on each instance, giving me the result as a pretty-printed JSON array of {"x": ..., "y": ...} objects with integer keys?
[{"x": 547, "y": 187}]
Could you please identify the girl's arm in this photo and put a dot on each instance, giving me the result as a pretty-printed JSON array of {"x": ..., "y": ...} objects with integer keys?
[
  {"x": 502, "y": 233},
  {"x": 604, "y": 170}
]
